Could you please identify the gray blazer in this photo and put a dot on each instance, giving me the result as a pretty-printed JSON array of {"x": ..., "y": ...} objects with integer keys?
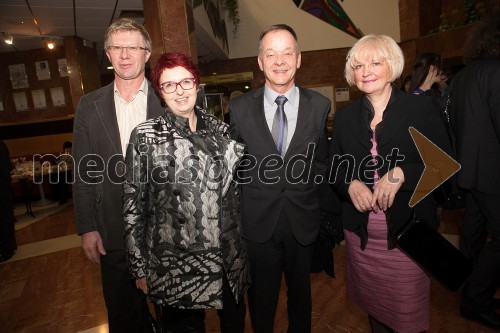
[
  {"x": 266, "y": 193},
  {"x": 99, "y": 164}
]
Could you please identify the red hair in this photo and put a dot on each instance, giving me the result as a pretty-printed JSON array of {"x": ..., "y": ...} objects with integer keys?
[{"x": 169, "y": 61}]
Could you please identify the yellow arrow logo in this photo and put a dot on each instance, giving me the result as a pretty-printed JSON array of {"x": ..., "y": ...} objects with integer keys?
[{"x": 439, "y": 166}]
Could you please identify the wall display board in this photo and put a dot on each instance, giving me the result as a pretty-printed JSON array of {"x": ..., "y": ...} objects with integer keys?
[
  {"x": 39, "y": 100},
  {"x": 42, "y": 70},
  {"x": 18, "y": 76},
  {"x": 326, "y": 90},
  {"x": 57, "y": 95},
  {"x": 63, "y": 67},
  {"x": 20, "y": 101}
]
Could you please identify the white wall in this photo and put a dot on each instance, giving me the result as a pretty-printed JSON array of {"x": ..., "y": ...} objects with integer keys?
[{"x": 370, "y": 16}]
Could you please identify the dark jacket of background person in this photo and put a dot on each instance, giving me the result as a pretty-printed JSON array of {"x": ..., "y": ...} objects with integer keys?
[
  {"x": 182, "y": 225},
  {"x": 5, "y": 168},
  {"x": 262, "y": 202},
  {"x": 7, "y": 230},
  {"x": 97, "y": 201},
  {"x": 475, "y": 117},
  {"x": 351, "y": 136}
]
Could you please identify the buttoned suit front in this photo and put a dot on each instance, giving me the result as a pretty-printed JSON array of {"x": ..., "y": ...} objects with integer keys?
[
  {"x": 97, "y": 195},
  {"x": 280, "y": 202}
]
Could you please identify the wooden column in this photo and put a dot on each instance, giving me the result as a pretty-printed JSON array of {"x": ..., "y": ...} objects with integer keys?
[
  {"x": 418, "y": 17},
  {"x": 83, "y": 69},
  {"x": 171, "y": 26}
]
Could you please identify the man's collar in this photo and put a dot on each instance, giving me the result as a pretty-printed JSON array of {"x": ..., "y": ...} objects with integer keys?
[
  {"x": 143, "y": 88},
  {"x": 270, "y": 95}
]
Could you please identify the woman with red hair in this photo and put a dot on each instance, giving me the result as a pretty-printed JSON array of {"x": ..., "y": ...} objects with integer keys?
[{"x": 182, "y": 227}]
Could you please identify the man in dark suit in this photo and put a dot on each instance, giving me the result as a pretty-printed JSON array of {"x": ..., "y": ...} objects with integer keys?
[
  {"x": 284, "y": 129},
  {"x": 103, "y": 122},
  {"x": 475, "y": 117}
]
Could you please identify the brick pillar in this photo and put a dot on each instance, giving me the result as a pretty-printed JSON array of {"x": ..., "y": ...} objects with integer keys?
[
  {"x": 417, "y": 17},
  {"x": 171, "y": 26}
]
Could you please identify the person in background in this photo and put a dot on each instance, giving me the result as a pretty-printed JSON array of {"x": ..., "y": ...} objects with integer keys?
[
  {"x": 65, "y": 174},
  {"x": 443, "y": 82},
  {"x": 426, "y": 72},
  {"x": 103, "y": 122},
  {"x": 281, "y": 214},
  {"x": 8, "y": 244},
  {"x": 182, "y": 225},
  {"x": 380, "y": 279},
  {"x": 475, "y": 119},
  {"x": 227, "y": 110},
  {"x": 406, "y": 84}
]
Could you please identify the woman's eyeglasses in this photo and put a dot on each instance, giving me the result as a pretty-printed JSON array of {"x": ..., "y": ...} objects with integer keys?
[{"x": 170, "y": 86}]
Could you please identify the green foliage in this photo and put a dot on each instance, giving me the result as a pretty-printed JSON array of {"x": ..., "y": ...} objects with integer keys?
[
  {"x": 470, "y": 16},
  {"x": 231, "y": 6}
]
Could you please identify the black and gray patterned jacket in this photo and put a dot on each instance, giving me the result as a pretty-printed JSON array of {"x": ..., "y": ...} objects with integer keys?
[{"x": 180, "y": 208}]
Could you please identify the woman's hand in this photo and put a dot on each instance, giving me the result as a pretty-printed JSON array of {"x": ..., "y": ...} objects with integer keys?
[
  {"x": 142, "y": 284},
  {"x": 386, "y": 189},
  {"x": 361, "y": 196}
]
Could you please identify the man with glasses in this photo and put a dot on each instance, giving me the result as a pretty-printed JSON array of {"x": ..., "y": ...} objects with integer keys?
[{"x": 103, "y": 122}]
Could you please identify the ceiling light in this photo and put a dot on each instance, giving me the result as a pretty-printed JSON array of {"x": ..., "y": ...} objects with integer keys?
[
  {"x": 50, "y": 45},
  {"x": 8, "y": 38}
]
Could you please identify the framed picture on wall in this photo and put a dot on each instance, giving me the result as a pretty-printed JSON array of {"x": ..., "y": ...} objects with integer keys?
[
  {"x": 42, "y": 70},
  {"x": 57, "y": 96},
  {"x": 63, "y": 67},
  {"x": 327, "y": 90},
  {"x": 39, "y": 100},
  {"x": 18, "y": 76},
  {"x": 20, "y": 101}
]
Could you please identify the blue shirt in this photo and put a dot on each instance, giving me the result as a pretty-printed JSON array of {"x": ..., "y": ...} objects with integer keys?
[{"x": 291, "y": 108}]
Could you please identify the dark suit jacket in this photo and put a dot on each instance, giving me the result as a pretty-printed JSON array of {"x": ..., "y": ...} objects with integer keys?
[
  {"x": 475, "y": 118},
  {"x": 351, "y": 137},
  {"x": 99, "y": 164},
  {"x": 266, "y": 193}
]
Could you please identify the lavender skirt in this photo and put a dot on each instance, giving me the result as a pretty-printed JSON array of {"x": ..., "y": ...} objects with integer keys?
[{"x": 387, "y": 284}]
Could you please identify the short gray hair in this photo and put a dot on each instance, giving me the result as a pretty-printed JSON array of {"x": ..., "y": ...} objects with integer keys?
[
  {"x": 383, "y": 47},
  {"x": 276, "y": 27}
]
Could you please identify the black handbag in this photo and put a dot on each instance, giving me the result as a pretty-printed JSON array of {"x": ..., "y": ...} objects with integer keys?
[{"x": 433, "y": 253}]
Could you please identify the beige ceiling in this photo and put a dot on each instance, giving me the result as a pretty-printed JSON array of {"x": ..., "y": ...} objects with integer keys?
[{"x": 88, "y": 19}]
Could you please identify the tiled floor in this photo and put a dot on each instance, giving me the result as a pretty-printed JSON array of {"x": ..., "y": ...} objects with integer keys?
[{"x": 49, "y": 286}]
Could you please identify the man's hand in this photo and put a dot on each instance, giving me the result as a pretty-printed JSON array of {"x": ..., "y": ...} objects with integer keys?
[{"x": 92, "y": 246}]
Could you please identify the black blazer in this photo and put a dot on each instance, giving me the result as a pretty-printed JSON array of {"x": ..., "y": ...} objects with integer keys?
[
  {"x": 351, "y": 138},
  {"x": 266, "y": 193},
  {"x": 475, "y": 118},
  {"x": 99, "y": 164}
]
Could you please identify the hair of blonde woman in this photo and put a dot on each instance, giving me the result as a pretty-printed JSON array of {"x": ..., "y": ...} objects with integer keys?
[
  {"x": 126, "y": 24},
  {"x": 378, "y": 47}
]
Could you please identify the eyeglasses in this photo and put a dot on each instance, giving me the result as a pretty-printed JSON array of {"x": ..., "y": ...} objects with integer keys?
[
  {"x": 131, "y": 49},
  {"x": 170, "y": 86}
]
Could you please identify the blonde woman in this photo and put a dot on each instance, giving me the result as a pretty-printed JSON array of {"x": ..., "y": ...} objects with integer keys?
[{"x": 383, "y": 281}]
